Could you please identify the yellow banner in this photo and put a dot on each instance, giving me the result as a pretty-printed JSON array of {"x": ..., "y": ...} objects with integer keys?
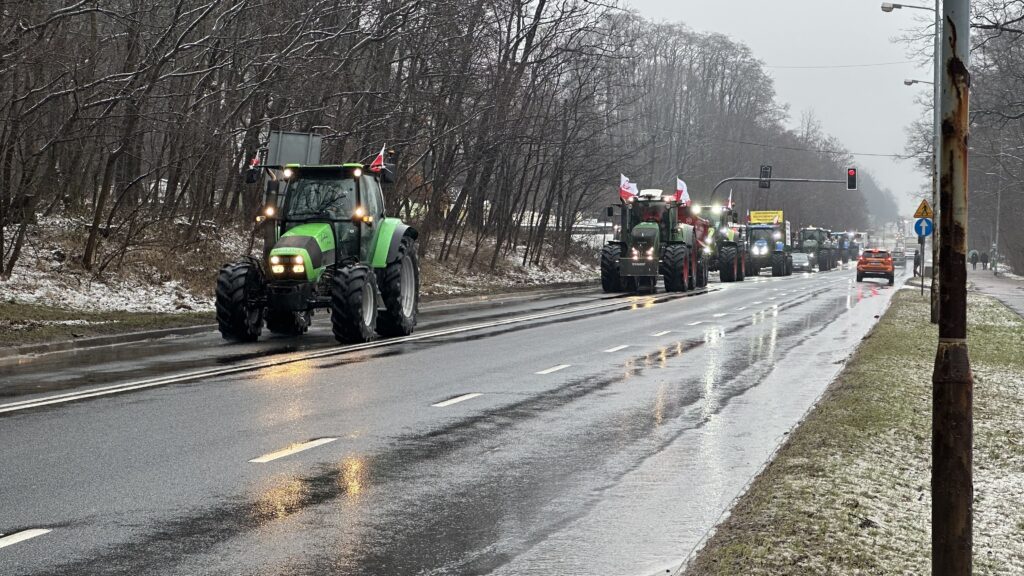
[{"x": 766, "y": 217}]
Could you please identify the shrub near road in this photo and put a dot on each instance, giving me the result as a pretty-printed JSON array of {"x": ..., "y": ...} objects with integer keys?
[{"x": 849, "y": 492}]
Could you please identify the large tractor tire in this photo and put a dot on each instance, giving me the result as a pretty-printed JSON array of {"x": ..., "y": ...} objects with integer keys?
[
  {"x": 743, "y": 262},
  {"x": 354, "y": 304},
  {"x": 728, "y": 264},
  {"x": 287, "y": 322},
  {"x": 239, "y": 314},
  {"x": 611, "y": 281},
  {"x": 691, "y": 283},
  {"x": 778, "y": 264},
  {"x": 675, "y": 268},
  {"x": 400, "y": 290},
  {"x": 789, "y": 265}
]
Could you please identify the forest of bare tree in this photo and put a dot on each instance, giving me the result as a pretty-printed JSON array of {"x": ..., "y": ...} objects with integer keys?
[{"x": 511, "y": 119}]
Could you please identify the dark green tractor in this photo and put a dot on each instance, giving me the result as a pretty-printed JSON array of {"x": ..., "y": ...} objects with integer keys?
[
  {"x": 328, "y": 244},
  {"x": 815, "y": 242},
  {"x": 770, "y": 246},
  {"x": 727, "y": 242},
  {"x": 651, "y": 241}
]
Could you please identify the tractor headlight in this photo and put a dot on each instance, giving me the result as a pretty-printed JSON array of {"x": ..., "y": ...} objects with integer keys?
[
  {"x": 707, "y": 249},
  {"x": 634, "y": 253},
  {"x": 298, "y": 269},
  {"x": 277, "y": 269},
  {"x": 297, "y": 259},
  {"x": 275, "y": 259},
  {"x": 777, "y": 235},
  {"x": 650, "y": 253}
]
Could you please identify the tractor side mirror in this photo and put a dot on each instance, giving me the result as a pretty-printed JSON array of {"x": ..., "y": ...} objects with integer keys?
[
  {"x": 252, "y": 175},
  {"x": 388, "y": 175}
]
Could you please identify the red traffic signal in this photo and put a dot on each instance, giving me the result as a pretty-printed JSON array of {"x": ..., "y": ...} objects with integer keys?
[{"x": 851, "y": 179}]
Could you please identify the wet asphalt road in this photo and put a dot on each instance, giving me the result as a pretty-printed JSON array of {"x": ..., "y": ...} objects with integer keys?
[{"x": 606, "y": 440}]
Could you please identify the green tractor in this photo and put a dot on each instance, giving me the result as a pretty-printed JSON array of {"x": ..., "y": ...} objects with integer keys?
[
  {"x": 727, "y": 242},
  {"x": 815, "y": 242},
  {"x": 328, "y": 243},
  {"x": 652, "y": 241}
]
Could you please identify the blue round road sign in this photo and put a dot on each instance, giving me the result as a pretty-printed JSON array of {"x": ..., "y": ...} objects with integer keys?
[{"x": 923, "y": 226}]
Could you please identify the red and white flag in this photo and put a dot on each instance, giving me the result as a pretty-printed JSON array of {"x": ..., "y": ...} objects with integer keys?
[
  {"x": 729, "y": 201},
  {"x": 682, "y": 195},
  {"x": 378, "y": 163},
  {"x": 627, "y": 189}
]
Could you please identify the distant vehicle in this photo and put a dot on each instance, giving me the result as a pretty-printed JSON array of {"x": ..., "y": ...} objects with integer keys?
[
  {"x": 802, "y": 261},
  {"x": 877, "y": 263},
  {"x": 899, "y": 257}
]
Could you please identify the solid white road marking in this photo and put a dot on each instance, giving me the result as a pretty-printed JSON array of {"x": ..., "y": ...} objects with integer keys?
[
  {"x": 662, "y": 333},
  {"x": 456, "y": 400},
  {"x": 22, "y": 536},
  {"x": 553, "y": 369},
  {"x": 617, "y": 348},
  {"x": 293, "y": 449},
  {"x": 695, "y": 323}
]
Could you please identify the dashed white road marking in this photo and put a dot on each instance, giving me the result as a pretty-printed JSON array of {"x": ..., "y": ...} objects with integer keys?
[
  {"x": 553, "y": 369},
  {"x": 758, "y": 302},
  {"x": 772, "y": 298},
  {"x": 21, "y": 536},
  {"x": 456, "y": 400},
  {"x": 662, "y": 333},
  {"x": 617, "y": 348},
  {"x": 293, "y": 449},
  {"x": 720, "y": 314},
  {"x": 741, "y": 309},
  {"x": 695, "y": 323}
]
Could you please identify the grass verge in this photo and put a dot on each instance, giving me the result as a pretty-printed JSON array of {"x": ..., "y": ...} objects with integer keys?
[
  {"x": 33, "y": 324},
  {"x": 849, "y": 491}
]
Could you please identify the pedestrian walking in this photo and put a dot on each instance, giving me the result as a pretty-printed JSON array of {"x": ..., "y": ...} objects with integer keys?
[
  {"x": 984, "y": 260},
  {"x": 974, "y": 259}
]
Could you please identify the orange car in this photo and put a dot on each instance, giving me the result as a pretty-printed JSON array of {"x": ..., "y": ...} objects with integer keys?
[{"x": 876, "y": 263}]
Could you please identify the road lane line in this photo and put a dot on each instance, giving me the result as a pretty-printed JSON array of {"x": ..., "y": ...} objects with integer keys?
[
  {"x": 741, "y": 309},
  {"x": 758, "y": 302},
  {"x": 695, "y": 323},
  {"x": 293, "y": 449},
  {"x": 553, "y": 369},
  {"x": 662, "y": 333},
  {"x": 315, "y": 355},
  {"x": 720, "y": 314},
  {"x": 456, "y": 400},
  {"x": 617, "y": 348},
  {"x": 21, "y": 536}
]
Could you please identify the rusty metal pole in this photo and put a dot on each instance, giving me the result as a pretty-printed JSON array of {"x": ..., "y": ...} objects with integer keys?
[
  {"x": 936, "y": 160},
  {"x": 952, "y": 382}
]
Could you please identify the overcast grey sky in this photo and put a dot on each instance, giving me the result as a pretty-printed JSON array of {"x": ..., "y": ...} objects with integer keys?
[{"x": 868, "y": 109}]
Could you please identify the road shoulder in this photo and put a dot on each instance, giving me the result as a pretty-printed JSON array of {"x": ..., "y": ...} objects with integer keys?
[{"x": 849, "y": 491}]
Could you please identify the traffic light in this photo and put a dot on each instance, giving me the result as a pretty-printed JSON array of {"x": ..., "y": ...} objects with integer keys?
[{"x": 851, "y": 178}]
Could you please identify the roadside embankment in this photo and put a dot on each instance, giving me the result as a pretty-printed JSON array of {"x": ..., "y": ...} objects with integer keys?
[{"x": 849, "y": 491}]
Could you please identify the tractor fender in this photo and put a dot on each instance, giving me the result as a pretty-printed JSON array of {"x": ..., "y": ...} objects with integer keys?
[{"x": 389, "y": 238}]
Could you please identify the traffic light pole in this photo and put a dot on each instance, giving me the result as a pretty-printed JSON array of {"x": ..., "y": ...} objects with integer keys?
[
  {"x": 753, "y": 179},
  {"x": 952, "y": 383}
]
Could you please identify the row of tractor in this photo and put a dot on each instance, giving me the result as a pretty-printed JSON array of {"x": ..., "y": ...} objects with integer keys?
[{"x": 659, "y": 236}]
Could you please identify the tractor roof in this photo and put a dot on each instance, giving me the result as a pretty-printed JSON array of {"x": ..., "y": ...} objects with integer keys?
[{"x": 325, "y": 166}]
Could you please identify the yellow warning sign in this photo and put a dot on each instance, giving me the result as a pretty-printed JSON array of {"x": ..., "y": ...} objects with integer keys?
[{"x": 924, "y": 210}]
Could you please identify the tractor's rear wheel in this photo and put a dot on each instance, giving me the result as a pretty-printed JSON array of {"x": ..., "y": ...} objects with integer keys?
[
  {"x": 675, "y": 268},
  {"x": 288, "y": 322},
  {"x": 728, "y": 264},
  {"x": 610, "y": 279},
  {"x": 691, "y": 283},
  {"x": 239, "y": 312},
  {"x": 741, "y": 266},
  {"x": 778, "y": 264},
  {"x": 354, "y": 304},
  {"x": 400, "y": 289}
]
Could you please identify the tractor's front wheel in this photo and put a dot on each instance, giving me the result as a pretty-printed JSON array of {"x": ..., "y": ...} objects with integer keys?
[
  {"x": 354, "y": 304},
  {"x": 400, "y": 289},
  {"x": 239, "y": 311},
  {"x": 675, "y": 268},
  {"x": 610, "y": 279},
  {"x": 778, "y": 264},
  {"x": 728, "y": 264}
]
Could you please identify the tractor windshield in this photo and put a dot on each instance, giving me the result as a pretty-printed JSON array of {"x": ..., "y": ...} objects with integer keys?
[
  {"x": 761, "y": 234},
  {"x": 313, "y": 195},
  {"x": 816, "y": 235}
]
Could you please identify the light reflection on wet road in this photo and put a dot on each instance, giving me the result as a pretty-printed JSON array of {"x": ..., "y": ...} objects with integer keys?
[{"x": 618, "y": 464}]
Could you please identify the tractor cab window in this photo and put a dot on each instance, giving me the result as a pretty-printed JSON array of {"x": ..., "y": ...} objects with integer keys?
[
  {"x": 371, "y": 194},
  {"x": 326, "y": 196}
]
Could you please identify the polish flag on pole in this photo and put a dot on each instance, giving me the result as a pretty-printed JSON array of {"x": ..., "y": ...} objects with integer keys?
[
  {"x": 627, "y": 189},
  {"x": 681, "y": 193},
  {"x": 378, "y": 163}
]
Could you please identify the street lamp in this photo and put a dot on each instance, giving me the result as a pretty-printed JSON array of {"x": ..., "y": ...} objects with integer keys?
[
  {"x": 910, "y": 82},
  {"x": 937, "y": 137}
]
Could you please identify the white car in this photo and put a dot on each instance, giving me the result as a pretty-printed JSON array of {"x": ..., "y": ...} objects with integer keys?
[{"x": 801, "y": 262}]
